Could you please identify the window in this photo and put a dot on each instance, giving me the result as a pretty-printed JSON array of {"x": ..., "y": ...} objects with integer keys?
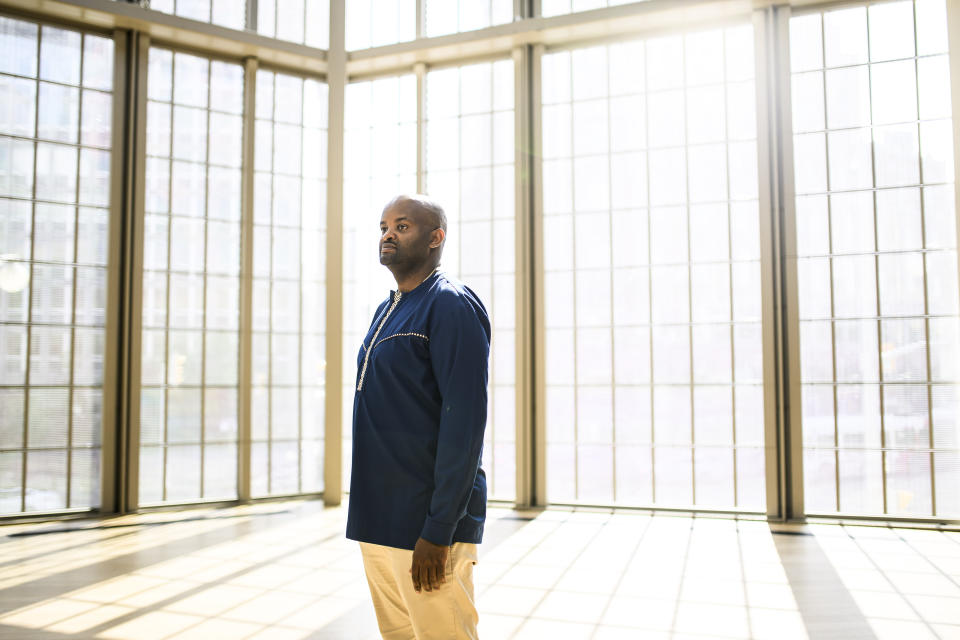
[
  {"x": 877, "y": 266},
  {"x": 56, "y": 108},
  {"x": 470, "y": 171},
  {"x": 226, "y": 13},
  {"x": 452, "y": 16},
  {"x": 651, "y": 253},
  {"x": 289, "y": 291},
  {"x": 374, "y": 23},
  {"x": 560, "y": 7},
  {"x": 302, "y": 21},
  {"x": 380, "y": 162},
  {"x": 191, "y": 279}
]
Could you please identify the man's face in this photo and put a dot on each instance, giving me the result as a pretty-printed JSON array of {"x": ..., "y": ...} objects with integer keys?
[{"x": 404, "y": 238}]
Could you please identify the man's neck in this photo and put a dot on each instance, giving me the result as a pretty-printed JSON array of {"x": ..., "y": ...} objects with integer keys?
[{"x": 409, "y": 281}]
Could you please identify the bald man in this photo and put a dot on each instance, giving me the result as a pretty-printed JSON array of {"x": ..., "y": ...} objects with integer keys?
[{"x": 417, "y": 491}]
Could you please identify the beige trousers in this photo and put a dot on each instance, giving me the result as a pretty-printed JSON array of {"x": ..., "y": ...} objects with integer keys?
[{"x": 403, "y": 614}]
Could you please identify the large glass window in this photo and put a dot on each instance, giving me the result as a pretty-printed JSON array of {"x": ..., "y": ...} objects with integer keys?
[
  {"x": 191, "y": 279},
  {"x": 452, "y": 16},
  {"x": 226, "y": 13},
  {"x": 380, "y": 162},
  {"x": 560, "y": 7},
  {"x": 56, "y": 108},
  {"x": 289, "y": 263},
  {"x": 470, "y": 171},
  {"x": 374, "y": 23},
  {"x": 302, "y": 21},
  {"x": 877, "y": 266},
  {"x": 651, "y": 253}
]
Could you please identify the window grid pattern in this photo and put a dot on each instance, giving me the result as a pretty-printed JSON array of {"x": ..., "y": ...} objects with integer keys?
[
  {"x": 375, "y": 23},
  {"x": 877, "y": 266},
  {"x": 561, "y": 7},
  {"x": 289, "y": 262},
  {"x": 380, "y": 162},
  {"x": 191, "y": 278},
  {"x": 470, "y": 149},
  {"x": 456, "y": 16},
  {"x": 652, "y": 275},
  {"x": 301, "y": 21},
  {"x": 56, "y": 106},
  {"x": 225, "y": 13}
]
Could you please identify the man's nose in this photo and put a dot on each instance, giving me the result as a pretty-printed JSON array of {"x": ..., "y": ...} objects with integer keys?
[{"x": 389, "y": 236}]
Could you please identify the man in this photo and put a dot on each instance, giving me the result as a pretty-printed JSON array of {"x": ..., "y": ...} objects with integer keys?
[{"x": 417, "y": 492}]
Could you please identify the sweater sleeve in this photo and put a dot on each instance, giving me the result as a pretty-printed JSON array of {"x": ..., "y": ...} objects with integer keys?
[{"x": 459, "y": 353}]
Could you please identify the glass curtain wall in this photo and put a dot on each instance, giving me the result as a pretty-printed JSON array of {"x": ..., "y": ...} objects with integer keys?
[
  {"x": 877, "y": 266},
  {"x": 560, "y": 7},
  {"x": 191, "y": 279},
  {"x": 380, "y": 162},
  {"x": 226, "y": 13},
  {"x": 453, "y": 16},
  {"x": 289, "y": 249},
  {"x": 56, "y": 109},
  {"x": 375, "y": 23},
  {"x": 301, "y": 21},
  {"x": 651, "y": 253},
  {"x": 470, "y": 148}
]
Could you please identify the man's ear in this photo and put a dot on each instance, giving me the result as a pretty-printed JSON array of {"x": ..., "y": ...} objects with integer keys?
[{"x": 437, "y": 236}]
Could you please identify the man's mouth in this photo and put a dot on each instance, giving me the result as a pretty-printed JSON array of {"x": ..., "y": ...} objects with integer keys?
[{"x": 387, "y": 247}]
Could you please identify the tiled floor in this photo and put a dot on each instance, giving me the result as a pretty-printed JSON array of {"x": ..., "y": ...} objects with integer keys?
[{"x": 284, "y": 570}]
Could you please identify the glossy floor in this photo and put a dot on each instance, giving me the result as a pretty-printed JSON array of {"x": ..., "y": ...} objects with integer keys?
[{"x": 284, "y": 570}]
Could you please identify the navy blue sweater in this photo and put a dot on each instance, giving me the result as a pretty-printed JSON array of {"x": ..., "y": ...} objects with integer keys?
[{"x": 419, "y": 411}]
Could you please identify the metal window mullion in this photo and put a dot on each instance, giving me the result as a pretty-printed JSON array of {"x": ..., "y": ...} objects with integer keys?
[
  {"x": 537, "y": 440},
  {"x": 245, "y": 391},
  {"x": 333, "y": 396},
  {"x": 303, "y": 101},
  {"x": 780, "y": 321},
  {"x": 833, "y": 315},
  {"x": 613, "y": 342},
  {"x": 29, "y": 331},
  {"x": 686, "y": 207},
  {"x": 650, "y": 329},
  {"x": 876, "y": 279},
  {"x": 206, "y": 244},
  {"x": 525, "y": 74},
  {"x": 251, "y": 10},
  {"x": 573, "y": 296},
  {"x": 730, "y": 289},
  {"x": 270, "y": 335},
  {"x": 166, "y": 346},
  {"x": 491, "y": 417},
  {"x": 926, "y": 289},
  {"x": 73, "y": 296},
  {"x": 420, "y": 69}
]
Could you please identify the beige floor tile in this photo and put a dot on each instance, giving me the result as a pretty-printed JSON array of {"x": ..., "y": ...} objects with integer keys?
[
  {"x": 214, "y": 599},
  {"x": 217, "y": 629},
  {"x": 151, "y": 626},
  {"x": 270, "y": 608},
  {"x": 90, "y": 619},
  {"x": 937, "y": 608},
  {"x": 876, "y": 604},
  {"x": 572, "y": 607},
  {"x": 770, "y": 596},
  {"x": 165, "y": 591},
  {"x": 947, "y": 631},
  {"x": 776, "y": 624},
  {"x": 927, "y": 584},
  {"x": 270, "y": 576},
  {"x": 589, "y": 581},
  {"x": 494, "y": 626},
  {"x": 534, "y": 629},
  {"x": 713, "y": 591},
  {"x": 506, "y": 600},
  {"x": 281, "y": 633},
  {"x": 45, "y": 613},
  {"x": 532, "y": 577},
  {"x": 729, "y": 622},
  {"x": 886, "y": 629},
  {"x": 640, "y": 613},
  {"x": 321, "y": 612},
  {"x": 625, "y": 633},
  {"x": 117, "y": 588}
]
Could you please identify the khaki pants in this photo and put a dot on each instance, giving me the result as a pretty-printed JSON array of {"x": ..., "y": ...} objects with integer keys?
[{"x": 403, "y": 614}]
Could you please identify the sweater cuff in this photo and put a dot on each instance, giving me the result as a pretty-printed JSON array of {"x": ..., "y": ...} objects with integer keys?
[{"x": 438, "y": 532}]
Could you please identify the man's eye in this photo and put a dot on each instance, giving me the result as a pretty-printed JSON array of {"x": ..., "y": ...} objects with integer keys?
[{"x": 401, "y": 227}]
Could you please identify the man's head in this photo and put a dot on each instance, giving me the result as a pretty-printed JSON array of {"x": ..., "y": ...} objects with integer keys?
[{"x": 412, "y": 233}]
